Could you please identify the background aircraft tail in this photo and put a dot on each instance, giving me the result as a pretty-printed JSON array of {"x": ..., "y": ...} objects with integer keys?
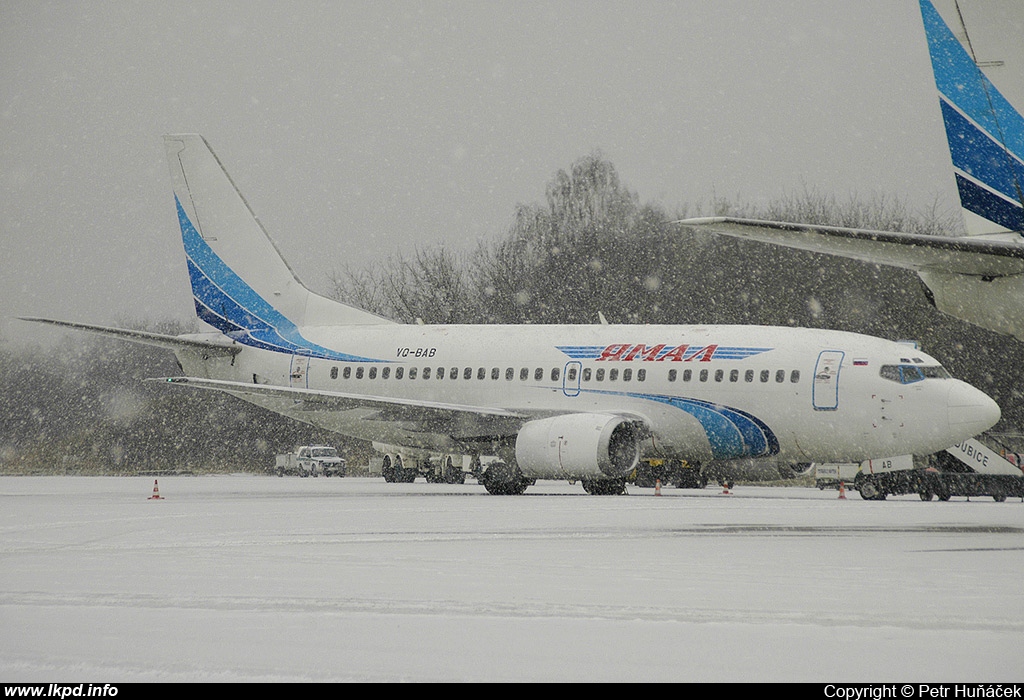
[
  {"x": 240, "y": 283},
  {"x": 985, "y": 132}
]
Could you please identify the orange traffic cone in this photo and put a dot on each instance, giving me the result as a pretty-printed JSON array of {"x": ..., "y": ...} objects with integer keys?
[
  {"x": 657, "y": 487},
  {"x": 725, "y": 489},
  {"x": 842, "y": 491},
  {"x": 156, "y": 492}
]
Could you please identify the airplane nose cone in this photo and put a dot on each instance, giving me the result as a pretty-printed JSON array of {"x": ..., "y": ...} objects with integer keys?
[{"x": 970, "y": 411}]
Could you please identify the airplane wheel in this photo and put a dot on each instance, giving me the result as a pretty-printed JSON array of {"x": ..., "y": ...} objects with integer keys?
[
  {"x": 450, "y": 474},
  {"x": 870, "y": 492},
  {"x": 691, "y": 478},
  {"x": 999, "y": 499},
  {"x": 926, "y": 495},
  {"x": 502, "y": 480},
  {"x": 604, "y": 487}
]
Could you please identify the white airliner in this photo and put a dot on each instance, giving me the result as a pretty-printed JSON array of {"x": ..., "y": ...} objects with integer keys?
[
  {"x": 979, "y": 277},
  {"x": 569, "y": 402}
]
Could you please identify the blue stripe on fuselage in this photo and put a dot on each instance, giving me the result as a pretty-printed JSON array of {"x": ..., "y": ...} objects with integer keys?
[{"x": 732, "y": 433}]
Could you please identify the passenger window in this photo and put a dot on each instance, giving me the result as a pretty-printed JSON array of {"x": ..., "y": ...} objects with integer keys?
[
  {"x": 524, "y": 374},
  {"x": 748, "y": 376},
  {"x": 586, "y": 374},
  {"x": 399, "y": 371},
  {"x": 334, "y": 372},
  {"x": 426, "y": 373},
  {"x": 346, "y": 373},
  {"x": 780, "y": 375},
  {"x": 481, "y": 373},
  {"x": 440, "y": 372},
  {"x": 495, "y": 372},
  {"x": 703, "y": 375},
  {"x": 765, "y": 374},
  {"x": 359, "y": 372},
  {"x": 467, "y": 373},
  {"x": 453, "y": 373},
  {"x": 555, "y": 374},
  {"x": 627, "y": 375},
  {"x": 641, "y": 375},
  {"x": 412, "y": 373},
  {"x": 794, "y": 376},
  {"x": 373, "y": 373},
  {"x": 719, "y": 374},
  {"x": 600, "y": 375},
  {"x": 571, "y": 374},
  {"x": 687, "y": 375},
  {"x": 613, "y": 374},
  {"x": 510, "y": 374},
  {"x": 538, "y": 374},
  {"x": 385, "y": 373},
  {"x": 734, "y": 375},
  {"x": 672, "y": 375}
]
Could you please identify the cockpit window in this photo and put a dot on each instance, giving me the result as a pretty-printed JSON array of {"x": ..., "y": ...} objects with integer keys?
[{"x": 908, "y": 374}]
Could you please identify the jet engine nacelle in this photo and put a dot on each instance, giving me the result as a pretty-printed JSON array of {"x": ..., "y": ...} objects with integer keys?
[{"x": 579, "y": 445}]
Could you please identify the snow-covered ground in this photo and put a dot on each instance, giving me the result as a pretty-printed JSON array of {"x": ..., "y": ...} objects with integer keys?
[{"x": 258, "y": 578}]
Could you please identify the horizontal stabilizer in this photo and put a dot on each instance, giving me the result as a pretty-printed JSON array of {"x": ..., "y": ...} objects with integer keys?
[{"x": 214, "y": 344}]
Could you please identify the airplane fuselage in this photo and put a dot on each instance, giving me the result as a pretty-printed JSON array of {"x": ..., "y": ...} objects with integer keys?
[
  {"x": 584, "y": 402},
  {"x": 703, "y": 392}
]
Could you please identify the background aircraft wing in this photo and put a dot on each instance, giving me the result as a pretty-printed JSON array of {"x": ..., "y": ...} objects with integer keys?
[{"x": 998, "y": 255}]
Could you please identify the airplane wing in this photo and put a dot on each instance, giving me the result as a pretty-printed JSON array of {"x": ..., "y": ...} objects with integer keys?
[
  {"x": 998, "y": 255},
  {"x": 439, "y": 416}
]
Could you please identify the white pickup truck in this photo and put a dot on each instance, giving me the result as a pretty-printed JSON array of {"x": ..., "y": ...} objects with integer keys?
[{"x": 311, "y": 460}]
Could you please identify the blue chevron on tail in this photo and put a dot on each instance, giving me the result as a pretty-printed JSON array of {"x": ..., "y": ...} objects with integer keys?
[
  {"x": 985, "y": 132},
  {"x": 240, "y": 283}
]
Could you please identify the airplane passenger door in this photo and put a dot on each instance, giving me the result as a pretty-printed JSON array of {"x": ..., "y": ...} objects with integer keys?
[
  {"x": 825, "y": 388},
  {"x": 571, "y": 378},
  {"x": 297, "y": 377}
]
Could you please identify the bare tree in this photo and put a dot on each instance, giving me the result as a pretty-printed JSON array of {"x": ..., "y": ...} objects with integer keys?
[{"x": 432, "y": 286}]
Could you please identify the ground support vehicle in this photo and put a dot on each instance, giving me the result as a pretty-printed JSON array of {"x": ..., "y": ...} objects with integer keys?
[
  {"x": 407, "y": 466},
  {"x": 676, "y": 472},
  {"x": 311, "y": 460},
  {"x": 969, "y": 468}
]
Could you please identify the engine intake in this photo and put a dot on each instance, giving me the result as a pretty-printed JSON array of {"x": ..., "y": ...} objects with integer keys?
[{"x": 579, "y": 445}]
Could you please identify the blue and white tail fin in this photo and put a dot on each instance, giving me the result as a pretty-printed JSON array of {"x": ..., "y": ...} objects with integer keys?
[
  {"x": 241, "y": 284},
  {"x": 985, "y": 132}
]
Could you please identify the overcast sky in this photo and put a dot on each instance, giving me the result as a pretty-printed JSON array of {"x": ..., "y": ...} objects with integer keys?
[{"x": 356, "y": 129}]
